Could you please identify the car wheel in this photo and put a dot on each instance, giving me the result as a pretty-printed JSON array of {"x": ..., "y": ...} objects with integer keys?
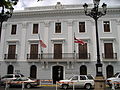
[
  {"x": 116, "y": 85},
  {"x": 28, "y": 85},
  {"x": 64, "y": 86},
  {"x": 88, "y": 86}
]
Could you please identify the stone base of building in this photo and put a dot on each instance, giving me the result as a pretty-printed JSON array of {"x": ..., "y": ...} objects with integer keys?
[{"x": 99, "y": 83}]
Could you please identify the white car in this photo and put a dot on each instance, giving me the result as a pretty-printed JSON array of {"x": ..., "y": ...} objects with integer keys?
[
  {"x": 9, "y": 77},
  {"x": 79, "y": 81},
  {"x": 114, "y": 80}
]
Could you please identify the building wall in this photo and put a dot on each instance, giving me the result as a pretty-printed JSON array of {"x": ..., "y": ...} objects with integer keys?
[{"x": 69, "y": 19}]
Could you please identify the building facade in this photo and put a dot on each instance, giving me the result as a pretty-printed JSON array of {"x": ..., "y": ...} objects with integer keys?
[{"x": 56, "y": 26}]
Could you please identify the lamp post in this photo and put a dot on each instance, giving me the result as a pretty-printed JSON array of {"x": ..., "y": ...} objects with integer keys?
[
  {"x": 6, "y": 7},
  {"x": 96, "y": 14}
]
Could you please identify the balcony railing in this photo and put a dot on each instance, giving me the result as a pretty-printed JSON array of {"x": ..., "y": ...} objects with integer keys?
[
  {"x": 83, "y": 56},
  {"x": 58, "y": 56},
  {"x": 33, "y": 56},
  {"x": 109, "y": 56},
  {"x": 10, "y": 56}
]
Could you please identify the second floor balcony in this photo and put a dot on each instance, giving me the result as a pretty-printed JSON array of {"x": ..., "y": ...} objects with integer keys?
[
  {"x": 63, "y": 56},
  {"x": 110, "y": 56},
  {"x": 10, "y": 56}
]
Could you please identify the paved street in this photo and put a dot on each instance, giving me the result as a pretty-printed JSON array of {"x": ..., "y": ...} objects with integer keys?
[{"x": 47, "y": 88}]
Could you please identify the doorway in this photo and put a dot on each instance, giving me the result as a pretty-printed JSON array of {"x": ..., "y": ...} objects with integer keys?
[
  {"x": 83, "y": 70},
  {"x": 10, "y": 69},
  {"x": 109, "y": 71},
  {"x": 33, "y": 71},
  {"x": 57, "y": 73}
]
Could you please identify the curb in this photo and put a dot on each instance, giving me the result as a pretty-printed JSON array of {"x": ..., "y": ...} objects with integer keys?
[{"x": 49, "y": 85}]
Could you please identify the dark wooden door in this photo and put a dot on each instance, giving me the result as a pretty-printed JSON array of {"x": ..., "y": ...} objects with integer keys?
[
  {"x": 83, "y": 51},
  {"x": 11, "y": 51},
  {"x": 57, "y": 51},
  {"x": 108, "y": 49},
  {"x": 34, "y": 51}
]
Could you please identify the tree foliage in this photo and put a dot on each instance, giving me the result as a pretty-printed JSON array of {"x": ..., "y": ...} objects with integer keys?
[{"x": 8, "y": 4}]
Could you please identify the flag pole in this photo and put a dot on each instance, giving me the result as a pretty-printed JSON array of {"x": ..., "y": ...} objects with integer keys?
[
  {"x": 40, "y": 47},
  {"x": 74, "y": 47}
]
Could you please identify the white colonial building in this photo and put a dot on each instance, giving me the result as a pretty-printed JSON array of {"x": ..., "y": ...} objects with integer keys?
[{"x": 20, "y": 50}]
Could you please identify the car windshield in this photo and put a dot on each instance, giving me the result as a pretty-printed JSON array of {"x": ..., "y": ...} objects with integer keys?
[
  {"x": 70, "y": 77},
  {"x": 115, "y": 75},
  {"x": 21, "y": 79}
]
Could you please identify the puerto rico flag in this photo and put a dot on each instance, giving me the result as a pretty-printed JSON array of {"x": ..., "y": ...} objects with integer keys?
[{"x": 79, "y": 41}]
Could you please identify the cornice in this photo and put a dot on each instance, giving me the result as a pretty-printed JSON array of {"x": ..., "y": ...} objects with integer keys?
[{"x": 61, "y": 9}]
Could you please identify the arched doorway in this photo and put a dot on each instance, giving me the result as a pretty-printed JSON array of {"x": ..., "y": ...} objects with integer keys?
[
  {"x": 83, "y": 70},
  {"x": 109, "y": 71},
  {"x": 57, "y": 73},
  {"x": 33, "y": 71},
  {"x": 10, "y": 69}
]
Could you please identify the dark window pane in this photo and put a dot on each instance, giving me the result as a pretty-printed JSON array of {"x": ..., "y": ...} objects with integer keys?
[
  {"x": 81, "y": 26},
  {"x": 106, "y": 26},
  {"x": 14, "y": 28},
  {"x": 57, "y": 27},
  {"x": 35, "y": 28}
]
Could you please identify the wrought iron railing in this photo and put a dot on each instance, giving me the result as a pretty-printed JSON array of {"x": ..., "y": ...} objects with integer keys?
[
  {"x": 109, "y": 56},
  {"x": 10, "y": 56},
  {"x": 58, "y": 56},
  {"x": 33, "y": 56}
]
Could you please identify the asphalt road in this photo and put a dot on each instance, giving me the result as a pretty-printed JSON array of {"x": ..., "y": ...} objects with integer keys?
[{"x": 47, "y": 88}]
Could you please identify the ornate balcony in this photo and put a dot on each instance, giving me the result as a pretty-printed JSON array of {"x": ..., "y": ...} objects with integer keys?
[
  {"x": 10, "y": 56},
  {"x": 63, "y": 57},
  {"x": 110, "y": 57}
]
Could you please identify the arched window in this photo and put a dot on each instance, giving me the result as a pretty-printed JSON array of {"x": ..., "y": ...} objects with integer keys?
[
  {"x": 109, "y": 71},
  {"x": 33, "y": 71},
  {"x": 10, "y": 69},
  {"x": 83, "y": 70}
]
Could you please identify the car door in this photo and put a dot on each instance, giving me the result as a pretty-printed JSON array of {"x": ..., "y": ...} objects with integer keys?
[
  {"x": 82, "y": 81},
  {"x": 75, "y": 80}
]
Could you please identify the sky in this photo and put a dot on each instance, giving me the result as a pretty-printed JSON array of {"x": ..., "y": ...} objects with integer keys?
[{"x": 32, "y": 3}]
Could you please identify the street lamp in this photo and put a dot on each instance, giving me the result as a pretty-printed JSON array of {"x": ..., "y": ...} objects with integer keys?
[
  {"x": 6, "y": 7},
  {"x": 96, "y": 14}
]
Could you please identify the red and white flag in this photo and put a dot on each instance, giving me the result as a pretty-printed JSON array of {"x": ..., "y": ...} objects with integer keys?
[
  {"x": 42, "y": 44},
  {"x": 79, "y": 41}
]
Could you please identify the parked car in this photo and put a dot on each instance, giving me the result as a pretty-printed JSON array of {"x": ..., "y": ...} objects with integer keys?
[
  {"x": 27, "y": 82},
  {"x": 79, "y": 81},
  {"x": 114, "y": 80},
  {"x": 9, "y": 77}
]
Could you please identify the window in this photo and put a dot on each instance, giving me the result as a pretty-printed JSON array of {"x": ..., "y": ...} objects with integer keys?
[
  {"x": 12, "y": 52},
  {"x": 75, "y": 78},
  {"x": 108, "y": 50},
  {"x": 81, "y": 26},
  {"x": 57, "y": 51},
  {"x": 82, "y": 78},
  {"x": 14, "y": 28},
  {"x": 57, "y": 27},
  {"x": 35, "y": 28},
  {"x": 17, "y": 76},
  {"x": 106, "y": 26},
  {"x": 34, "y": 51},
  {"x": 83, "y": 54}
]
